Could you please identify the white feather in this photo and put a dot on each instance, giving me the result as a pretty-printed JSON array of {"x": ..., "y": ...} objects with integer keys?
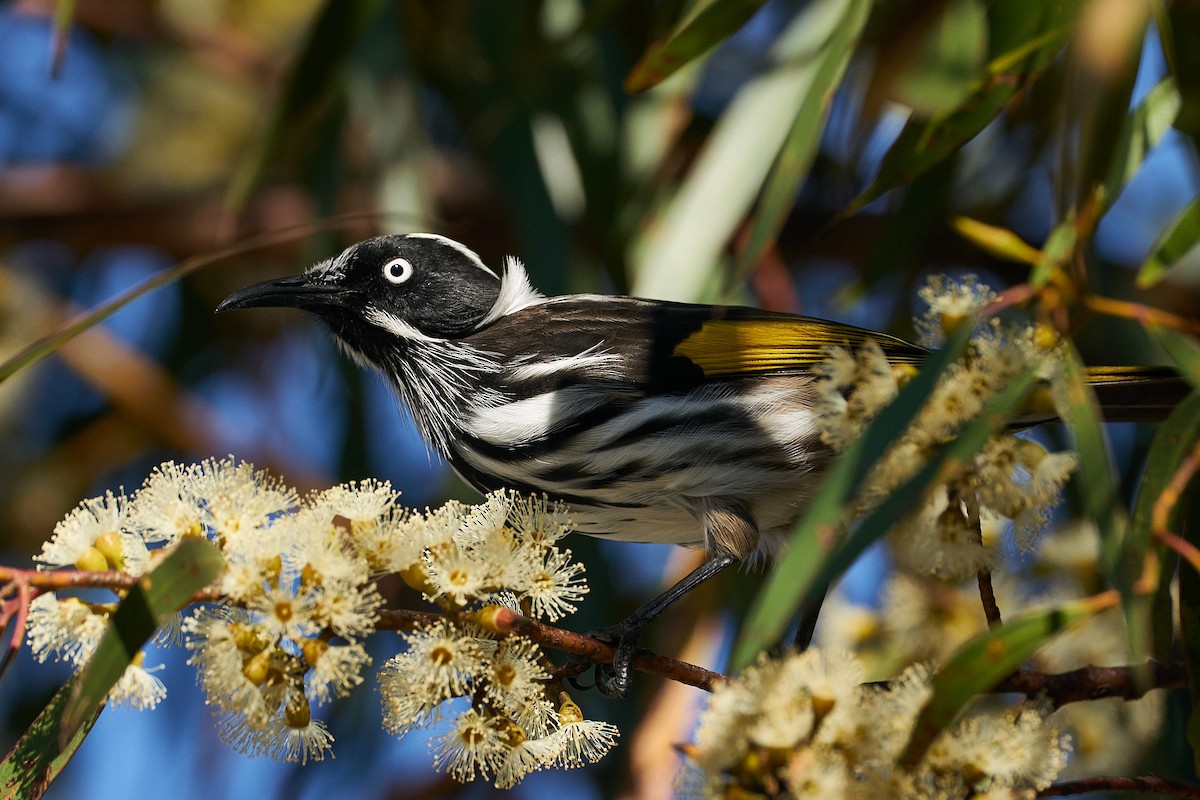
[{"x": 515, "y": 292}]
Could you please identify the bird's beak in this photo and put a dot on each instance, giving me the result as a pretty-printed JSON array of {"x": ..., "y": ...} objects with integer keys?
[{"x": 297, "y": 291}]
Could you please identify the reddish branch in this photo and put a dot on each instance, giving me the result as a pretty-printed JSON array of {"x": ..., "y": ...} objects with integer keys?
[
  {"x": 1092, "y": 683},
  {"x": 1141, "y": 783},
  {"x": 576, "y": 644},
  {"x": 1088, "y": 683}
]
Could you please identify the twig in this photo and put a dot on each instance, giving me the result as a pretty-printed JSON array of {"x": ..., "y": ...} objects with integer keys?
[
  {"x": 1164, "y": 504},
  {"x": 1092, "y": 683},
  {"x": 600, "y": 652},
  {"x": 987, "y": 595},
  {"x": 1113, "y": 783},
  {"x": 1141, "y": 313}
]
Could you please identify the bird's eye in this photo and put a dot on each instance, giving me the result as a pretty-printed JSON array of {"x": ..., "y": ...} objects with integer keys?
[{"x": 398, "y": 270}]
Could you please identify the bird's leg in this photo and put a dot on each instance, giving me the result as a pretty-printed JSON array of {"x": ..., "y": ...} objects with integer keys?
[{"x": 614, "y": 681}]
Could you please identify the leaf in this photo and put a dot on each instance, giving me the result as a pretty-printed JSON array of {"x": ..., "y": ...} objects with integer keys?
[
  {"x": 312, "y": 81},
  {"x": 1183, "y": 349},
  {"x": 1143, "y": 129},
  {"x": 1179, "y": 239},
  {"x": 691, "y": 38},
  {"x": 816, "y": 535},
  {"x": 800, "y": 147},
  {"x": 1172, "y": 442},
  {"x": 999, "y": 242},
  {"x": 64, "y": 15},
  {"x": 191, "y": 566},
  {"x": 38, "y": 349},
  {"x": 986, "y": 660},
  {"x": 37, "y": 758},
  {"x": 684, "y": 247},
  {"x": 1189, "y": 624},
  {"x": 922, "y": 144}
]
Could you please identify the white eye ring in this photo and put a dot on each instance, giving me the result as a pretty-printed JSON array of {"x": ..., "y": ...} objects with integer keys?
[{"x": 397, "y": 271}]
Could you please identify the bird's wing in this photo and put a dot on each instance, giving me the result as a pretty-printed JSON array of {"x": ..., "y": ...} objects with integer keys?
[
  {"x": 659, "y": 346},
  {"x": 743, "y": 340}
]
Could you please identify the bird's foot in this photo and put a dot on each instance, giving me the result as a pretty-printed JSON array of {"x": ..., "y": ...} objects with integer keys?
[{"x": 613, "y": 680}]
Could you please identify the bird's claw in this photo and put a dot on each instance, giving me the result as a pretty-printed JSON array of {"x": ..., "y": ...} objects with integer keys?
[{"x": 613, "y": 680}]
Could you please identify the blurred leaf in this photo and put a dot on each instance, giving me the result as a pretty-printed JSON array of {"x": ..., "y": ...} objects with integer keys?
[
  {"x": 192, "y": 565},
  {"x": 1177, "y": 24},
  {"x": 800, "y": 147},
  {"x": 1143, "y": 129},
  {"x": 37, "y": 758},
  {"x": 952, "y": 53},
  {"x": 1044, "y": 29},
  {"x": 313, "y": 79},
  {"x": 1183, "y": 349},
  {"x": 1096, "y": 483},
  {"x": 816, "y": 538},
  {"x": 1172, "y": 442},
  {"x": 1189, "y": 626},
  {"x": 683, "y": 249},
  {"x": 1105, "y": 53},
  {"x": 64, "y": 15},
  {"x": 1000, "y": 242},
  {"x": 1179, "y": 239},
  {"x": 44, "y": 346},
  {"x": 1059, "y": 246},
  {"x": 986, "y": 660},
  {"x": 710, "y": 24}
]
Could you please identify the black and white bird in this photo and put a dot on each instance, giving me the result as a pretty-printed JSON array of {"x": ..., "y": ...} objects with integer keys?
[{"x": 654, "y": 421}]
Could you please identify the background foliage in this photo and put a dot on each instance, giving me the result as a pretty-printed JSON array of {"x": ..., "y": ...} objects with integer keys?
[{"x": 817, "y": 158}]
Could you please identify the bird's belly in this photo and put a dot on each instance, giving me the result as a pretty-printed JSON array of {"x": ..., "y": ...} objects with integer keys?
[{"x": 640, "y": 475}]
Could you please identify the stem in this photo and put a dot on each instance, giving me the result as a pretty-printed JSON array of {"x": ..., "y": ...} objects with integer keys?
[
  {"x": 596, "y": 651},
  {"x": 1105, "y": 783},
  {"x": 1091, "y": 683},
  {"x": 987, "y": 595},
  {"x": 1164, "y": 504},
  {"x": 1141, "y": 313}
]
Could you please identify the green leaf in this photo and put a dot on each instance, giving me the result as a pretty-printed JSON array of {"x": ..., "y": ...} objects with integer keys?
[
  {"x": 1189, "y": 624},
  {"x": 1179, "y": 239},
  {"x": 312, "y": 81},
  {"x": 685, "y": 246},
  {"x": 191, "y": 566},
  {"x": 693, "y": 37},
  {"x": 983, "y": 662},
  {"x": 37, "y": 758},
  {"x": 38, "y": 349},
  {"x": 1172, "y": 442},
  {"x": 1096, "y": 482},
  {"x": 800, "y": 147},
  {"x": 1143, "y": 129},
  {"x": 1183, "y": 349},
  {"x": 816, "y": 536},
  {"x": 922, "y": 144},
  {"x": 948, "y": 59}
]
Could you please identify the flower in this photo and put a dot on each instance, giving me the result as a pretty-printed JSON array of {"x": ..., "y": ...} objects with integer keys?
[{"x": 93, "y": 537}]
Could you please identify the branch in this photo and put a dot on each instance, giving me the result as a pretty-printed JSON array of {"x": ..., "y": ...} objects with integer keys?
[
  {"x": 1141, "y": 783},
  {"x": 1092, "y": 683},
  {"x": 506, "y": 621}
]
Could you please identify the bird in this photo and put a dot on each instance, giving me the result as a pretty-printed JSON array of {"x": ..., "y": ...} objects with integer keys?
[{"x": 652, "y": 421}]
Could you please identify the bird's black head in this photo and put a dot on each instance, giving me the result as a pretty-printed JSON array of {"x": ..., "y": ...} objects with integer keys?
[{"x": 417, "y": 286}]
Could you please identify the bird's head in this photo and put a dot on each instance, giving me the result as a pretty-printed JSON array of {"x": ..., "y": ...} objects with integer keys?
[{"x": 391, "y": 289}]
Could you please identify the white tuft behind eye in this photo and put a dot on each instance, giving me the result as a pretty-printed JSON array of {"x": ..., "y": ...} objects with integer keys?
[{"x": 397, "y": 270}]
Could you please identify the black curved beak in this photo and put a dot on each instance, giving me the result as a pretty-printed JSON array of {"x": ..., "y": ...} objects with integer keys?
[{"x": 297, "y": 291}]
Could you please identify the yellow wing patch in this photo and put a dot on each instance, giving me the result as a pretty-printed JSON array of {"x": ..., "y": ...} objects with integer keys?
[{"x": 734, "y": 346}]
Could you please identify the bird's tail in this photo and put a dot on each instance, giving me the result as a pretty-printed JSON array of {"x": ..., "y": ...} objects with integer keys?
[{"x": 1137, "y": 394}]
